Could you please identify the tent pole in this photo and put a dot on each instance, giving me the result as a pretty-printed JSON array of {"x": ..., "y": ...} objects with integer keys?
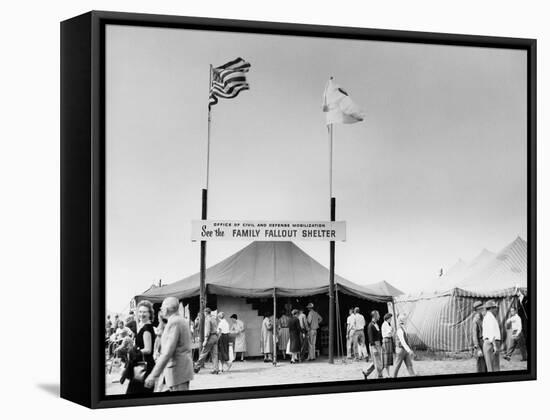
[
  {"x": 394, "y": 314},
  {"x": 274, "y": 328}
]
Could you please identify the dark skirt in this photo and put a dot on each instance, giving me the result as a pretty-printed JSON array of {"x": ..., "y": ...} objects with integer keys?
[
  {"x": 295, "y": 341},
  {"x": 138, "y": 387},
  {"x": 223, "y": 348},
  {"x": 387, "y": 352}
]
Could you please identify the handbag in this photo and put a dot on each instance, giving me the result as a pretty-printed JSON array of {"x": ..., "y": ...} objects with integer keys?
[{"x": 140, "y": 369}]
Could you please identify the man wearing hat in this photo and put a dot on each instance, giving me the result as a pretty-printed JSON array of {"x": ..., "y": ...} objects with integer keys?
[
  {"x": 313, "y": 321},
  {"x": 491, "y": 337},
  {"x": 477, "y": 337}
]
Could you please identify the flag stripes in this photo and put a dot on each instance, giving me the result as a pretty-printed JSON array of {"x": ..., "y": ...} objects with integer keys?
[{"x": 228, "y": 80}]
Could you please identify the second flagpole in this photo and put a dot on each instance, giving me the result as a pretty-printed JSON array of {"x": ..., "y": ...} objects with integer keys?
[{"x": 332, "y": 253}]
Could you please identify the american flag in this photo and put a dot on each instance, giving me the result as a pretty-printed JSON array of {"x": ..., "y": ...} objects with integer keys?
[{"x": 228, "y": 80}]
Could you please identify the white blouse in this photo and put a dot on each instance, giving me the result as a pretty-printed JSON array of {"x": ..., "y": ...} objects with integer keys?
[
  {"x": 223, "y": 326},
  {"x": 387, "y": 330}
]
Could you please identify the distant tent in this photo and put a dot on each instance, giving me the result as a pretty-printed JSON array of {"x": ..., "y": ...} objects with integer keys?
[
  {"x": 441, "y": 319},
  {"x": 262, "y": 267}
]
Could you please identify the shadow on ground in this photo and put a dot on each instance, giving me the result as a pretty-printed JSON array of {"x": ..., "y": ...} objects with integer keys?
[{"x": 52, "y": 389}]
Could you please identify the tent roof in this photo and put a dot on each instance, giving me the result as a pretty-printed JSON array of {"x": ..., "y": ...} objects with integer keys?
[
  {"x": 507, "y": 269},
  {"x": 488, "y": 275},
  {"x": 260, "y": 267}
]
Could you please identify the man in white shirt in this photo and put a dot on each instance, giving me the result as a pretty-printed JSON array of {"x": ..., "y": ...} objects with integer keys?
[
  {"x": 491, "y": 337},
  {"x": 403, "y": 352},
  {"x": 513, "y": 324},
  {"x": 359, "y": 345},
  {"x": 350, "y": 325}
]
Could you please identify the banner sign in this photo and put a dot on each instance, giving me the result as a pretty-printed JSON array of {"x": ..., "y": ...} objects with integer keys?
[{"x": 214, "y": 230}]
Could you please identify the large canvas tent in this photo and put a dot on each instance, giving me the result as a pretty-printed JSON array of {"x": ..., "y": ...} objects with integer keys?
[
  {"x": 262, "y": 268},
  {"x": 440, "y": 319},
  {"x": 246, "y": 282}
]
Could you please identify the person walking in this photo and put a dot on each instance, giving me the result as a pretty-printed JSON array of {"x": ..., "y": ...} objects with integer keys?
[
  {"x": 210, "y": 343},
  {"x": 517, "y": 340},
  {"x": 403, "y": 352},
  {"x": 387, "y": 343},
  {"x": 359, "y": 335},
  {"x": 350, "y": 325},
  {"x": 283, "y": 335},
  {"x": 375, "y": 346},
  {"x": 223, "y": 343},
  {"x": 266, "y": 338},
  {"x": 174, "y": 362},
  {"x": 313, "y": 322},
  {"x": 295, "y": 337},
  {"x": 142, "y": 355},
  {"x": 477, "y": 337},
  {"x": 491, "y": 337},
  {"x": 238, "y": 328}
]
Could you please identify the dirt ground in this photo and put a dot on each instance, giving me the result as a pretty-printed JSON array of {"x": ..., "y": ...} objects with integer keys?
[{"x": 256, "y": 372}]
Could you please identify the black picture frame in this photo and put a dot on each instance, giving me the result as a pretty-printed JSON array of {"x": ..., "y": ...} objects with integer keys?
[{"x": 83, "y": 204}]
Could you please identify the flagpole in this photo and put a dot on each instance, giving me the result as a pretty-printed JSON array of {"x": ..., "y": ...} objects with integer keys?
[
  {"x": 332, "y": 252},
  {"x": 204, "y": 216},
  {"x": 208, "y": 133}
]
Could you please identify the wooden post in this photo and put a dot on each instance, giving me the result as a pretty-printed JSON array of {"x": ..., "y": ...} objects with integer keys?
[
  {"x": 394, "y": 314},
  {"x": 274, "y": 328},
  {"x": 202, "y": 292},
  {"x": 204, "y": 216},
  {"x": 331, "y": 288}
]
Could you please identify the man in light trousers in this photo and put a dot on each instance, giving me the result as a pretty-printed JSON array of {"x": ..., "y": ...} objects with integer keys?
[
  {"x": 491, "y": 337},
  {"x": 313, "y": 321}
]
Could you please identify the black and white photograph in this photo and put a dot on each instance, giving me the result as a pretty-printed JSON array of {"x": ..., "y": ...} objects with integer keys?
[{"x": 287, "y": 210}]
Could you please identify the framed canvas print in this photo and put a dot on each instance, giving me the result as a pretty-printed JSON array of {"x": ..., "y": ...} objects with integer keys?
[{"x": 254, "y": 209}]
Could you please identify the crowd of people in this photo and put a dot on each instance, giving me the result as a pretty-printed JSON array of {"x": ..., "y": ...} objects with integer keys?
[
  {"x": 155, "y": 359},
  {"x": 486, "y": 336},
  {"x": 383, "y": 341},
  {"x": 224, "y": 341},
  {"x": 161, "y": 358},
  {"x": 295, "y": 335}
]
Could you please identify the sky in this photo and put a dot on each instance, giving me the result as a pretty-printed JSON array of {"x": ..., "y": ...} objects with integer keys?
[{"x": 436, "y": 172}]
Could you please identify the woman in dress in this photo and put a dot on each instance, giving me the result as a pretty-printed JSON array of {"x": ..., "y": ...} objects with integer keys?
[
  {"x": 142, "y": 354},
  {"x": 237, "y": 328},
  {"x": 223, "y": 342},
  {"x": 295, "y": 337},
  {"x": 266, "y": 337},
  {"x": 387, "y": 343},
  {"x": 283, "y": 335}
]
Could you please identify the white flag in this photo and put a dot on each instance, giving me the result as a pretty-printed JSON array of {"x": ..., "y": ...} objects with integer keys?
[{"x": 338, "y": 106}]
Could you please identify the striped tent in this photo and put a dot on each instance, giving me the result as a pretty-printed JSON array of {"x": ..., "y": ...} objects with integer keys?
[{"x": 441, "y": 319}]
